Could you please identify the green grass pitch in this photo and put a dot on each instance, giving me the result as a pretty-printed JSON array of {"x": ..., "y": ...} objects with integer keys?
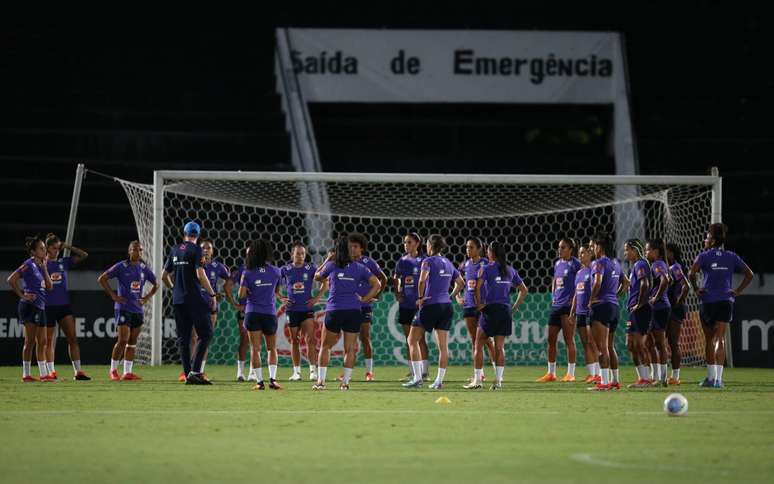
[{"x": 159, "y": 430}]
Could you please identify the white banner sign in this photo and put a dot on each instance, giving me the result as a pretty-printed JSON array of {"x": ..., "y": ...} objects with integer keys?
[{"x": 456, "y": 66}]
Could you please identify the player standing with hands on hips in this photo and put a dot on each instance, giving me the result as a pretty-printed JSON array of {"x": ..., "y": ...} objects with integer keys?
[{"x": 191, "y": 311}]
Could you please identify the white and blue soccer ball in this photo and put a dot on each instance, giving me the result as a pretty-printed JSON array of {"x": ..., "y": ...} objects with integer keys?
[{"x": 675, "y": 405}]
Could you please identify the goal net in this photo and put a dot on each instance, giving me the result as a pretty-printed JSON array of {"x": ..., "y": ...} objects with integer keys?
[{"x": 528, "y": 213}]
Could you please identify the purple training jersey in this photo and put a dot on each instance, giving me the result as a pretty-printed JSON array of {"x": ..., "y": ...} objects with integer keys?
[
  {"x": 299, "y": 282},
  {"x": 564, "y": 278},
  {"x": 469, "y": 271},
  {"x": 498, "y": 288},
  {"x": 57, "y": 270},
  {"x": 130, "y": 279},
  {"x": 677, "y": 286},
  {"x": 215, "y": 270},
  {"x": 718, "y": 267},
  {"x": 640, "y": 271},
  {"x": 343, "y": 284},
  {"x": 582, "y": 290},
  {"x": 441, "y": 275},
  {"x": 610, "y": 269},
  {"x": 261, "y": 283},
  {"x": 34, "y": 282},
  {"x": 407, "y": 270},
  {"x": 659, "y": 269},
  {"x": 365, "y": 288}
]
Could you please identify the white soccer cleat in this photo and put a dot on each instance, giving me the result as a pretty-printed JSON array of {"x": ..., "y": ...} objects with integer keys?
[
  {"x": 312, "y": 376},
  {"x": 295, "y": 377},
  {"x": 251, "y": 377}
]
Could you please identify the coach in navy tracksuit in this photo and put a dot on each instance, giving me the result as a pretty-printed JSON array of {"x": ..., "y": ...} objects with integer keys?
[{"x": 185, "y": 260}]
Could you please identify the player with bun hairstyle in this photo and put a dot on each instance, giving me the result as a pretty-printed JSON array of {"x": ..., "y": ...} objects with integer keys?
[
  {"x": 496, "y": 311},
  {"x": 405, "y": 281},
  {"x": 655, "y": 252},
  {"x": 58, "y": 310},
  {"x": 32, "y": 306},
  {"x": 562, "y": 289},
  {"x": 469, "y": 271},
  {"x": 435, "y": 309},
  {"x": 298, "y": 276},
  {"x": 640, "y": 312},
  {"x": 677, "y": 293},
  {"x": 580, "y": 313},
  {"x": 603, "y": 304},
  {"x": 131, "y": 275},
  {"x": 717, "y": 266}
]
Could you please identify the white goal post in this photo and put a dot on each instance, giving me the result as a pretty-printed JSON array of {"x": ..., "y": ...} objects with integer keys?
[{"x": 527, "y": 212}]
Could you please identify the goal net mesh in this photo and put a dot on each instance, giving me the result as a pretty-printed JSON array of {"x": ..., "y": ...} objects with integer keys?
[{"x": 529, "y": 218}]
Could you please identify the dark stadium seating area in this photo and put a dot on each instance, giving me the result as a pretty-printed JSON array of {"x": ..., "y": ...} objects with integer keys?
[{"x": 127, "y": 101}]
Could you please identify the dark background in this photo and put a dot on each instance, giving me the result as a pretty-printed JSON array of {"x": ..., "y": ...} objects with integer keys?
[{"x": 127, "y": 91}]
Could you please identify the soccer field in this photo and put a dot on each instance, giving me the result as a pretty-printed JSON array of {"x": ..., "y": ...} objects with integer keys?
[{"x": 159, "y": 430}]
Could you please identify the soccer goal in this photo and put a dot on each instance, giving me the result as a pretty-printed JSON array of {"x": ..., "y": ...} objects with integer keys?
[{"x": 529, "y": 213}]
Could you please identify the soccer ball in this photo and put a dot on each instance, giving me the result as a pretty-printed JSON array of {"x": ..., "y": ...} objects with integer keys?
[{"x": 675, "y": 405}]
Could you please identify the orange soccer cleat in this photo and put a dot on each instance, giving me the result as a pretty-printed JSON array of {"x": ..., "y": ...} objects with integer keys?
[
  {"x": 29, "y": 379},
  {"x": 568, "y": 378},
  {"x": 548, "y": 377},
  {"x": 641, "y": 383},
  {"x": 182, "y": 377},
  {"x": 600, "y": 388},
  {"x": 589, "y": 379},
  {"x": 131, "y": 376},
  {"x": 114, "y": 376},
  {"x": 48, "y": 378},
  {"x": 673, "y": 381},
  {"x": 369, "y": 376},
  {"x": 53, "y": 375}
]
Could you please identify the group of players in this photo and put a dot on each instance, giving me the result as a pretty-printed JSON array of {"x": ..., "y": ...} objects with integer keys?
[
  {"x": 585, "y": 296},
  {"x": 585, "y": 292}
]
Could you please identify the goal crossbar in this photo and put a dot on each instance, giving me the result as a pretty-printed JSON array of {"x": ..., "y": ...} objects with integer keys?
[{"x": 166, "y": 180}]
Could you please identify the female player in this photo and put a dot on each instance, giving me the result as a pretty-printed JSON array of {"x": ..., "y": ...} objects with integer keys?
[
  {"x": 215, "y": 270},
  {"x": 496, "y": 311},
  {"x": 559, "y": 320},
  {"x": 717, "y": 266},
  {"x": 259, "y": 286},
  {"x": 435, "y": 309},
  {"x": 131, "y": 275},
  {"x": 343, "y": 310},
  {"x": 298, "y": 275},
  {"x": 244, "y": 337},
  {"x": 677, "y": 293},
  {"x": 469, "y": 271},
  {"x": 405, "y": 280},
  {"x": 58, "y": 303},
  {"x": 640, "y": 311},
  {"x": 580, "y": 312},
  {"x": 358, "y": 244},
  {"x": 655, "y": 251},
  {"x": 32, "y": 307},
  {"x": 603, "y": 303}
]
